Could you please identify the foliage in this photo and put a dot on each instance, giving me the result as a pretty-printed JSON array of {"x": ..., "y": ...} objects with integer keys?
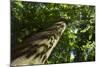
[{"x": 77, "y": 44}]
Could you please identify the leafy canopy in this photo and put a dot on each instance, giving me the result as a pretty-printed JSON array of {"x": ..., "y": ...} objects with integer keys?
[{"x": 77, "y": 43}]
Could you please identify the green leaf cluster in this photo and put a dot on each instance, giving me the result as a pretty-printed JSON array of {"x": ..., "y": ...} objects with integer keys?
[{"x": 77, "y": 43}]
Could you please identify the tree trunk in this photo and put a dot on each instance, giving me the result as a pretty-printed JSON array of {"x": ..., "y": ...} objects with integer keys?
[{"x": 37, "y": 48}]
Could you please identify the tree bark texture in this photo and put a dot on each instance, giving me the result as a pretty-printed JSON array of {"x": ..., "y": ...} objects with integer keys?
[{"x": 37, "y": 48}]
